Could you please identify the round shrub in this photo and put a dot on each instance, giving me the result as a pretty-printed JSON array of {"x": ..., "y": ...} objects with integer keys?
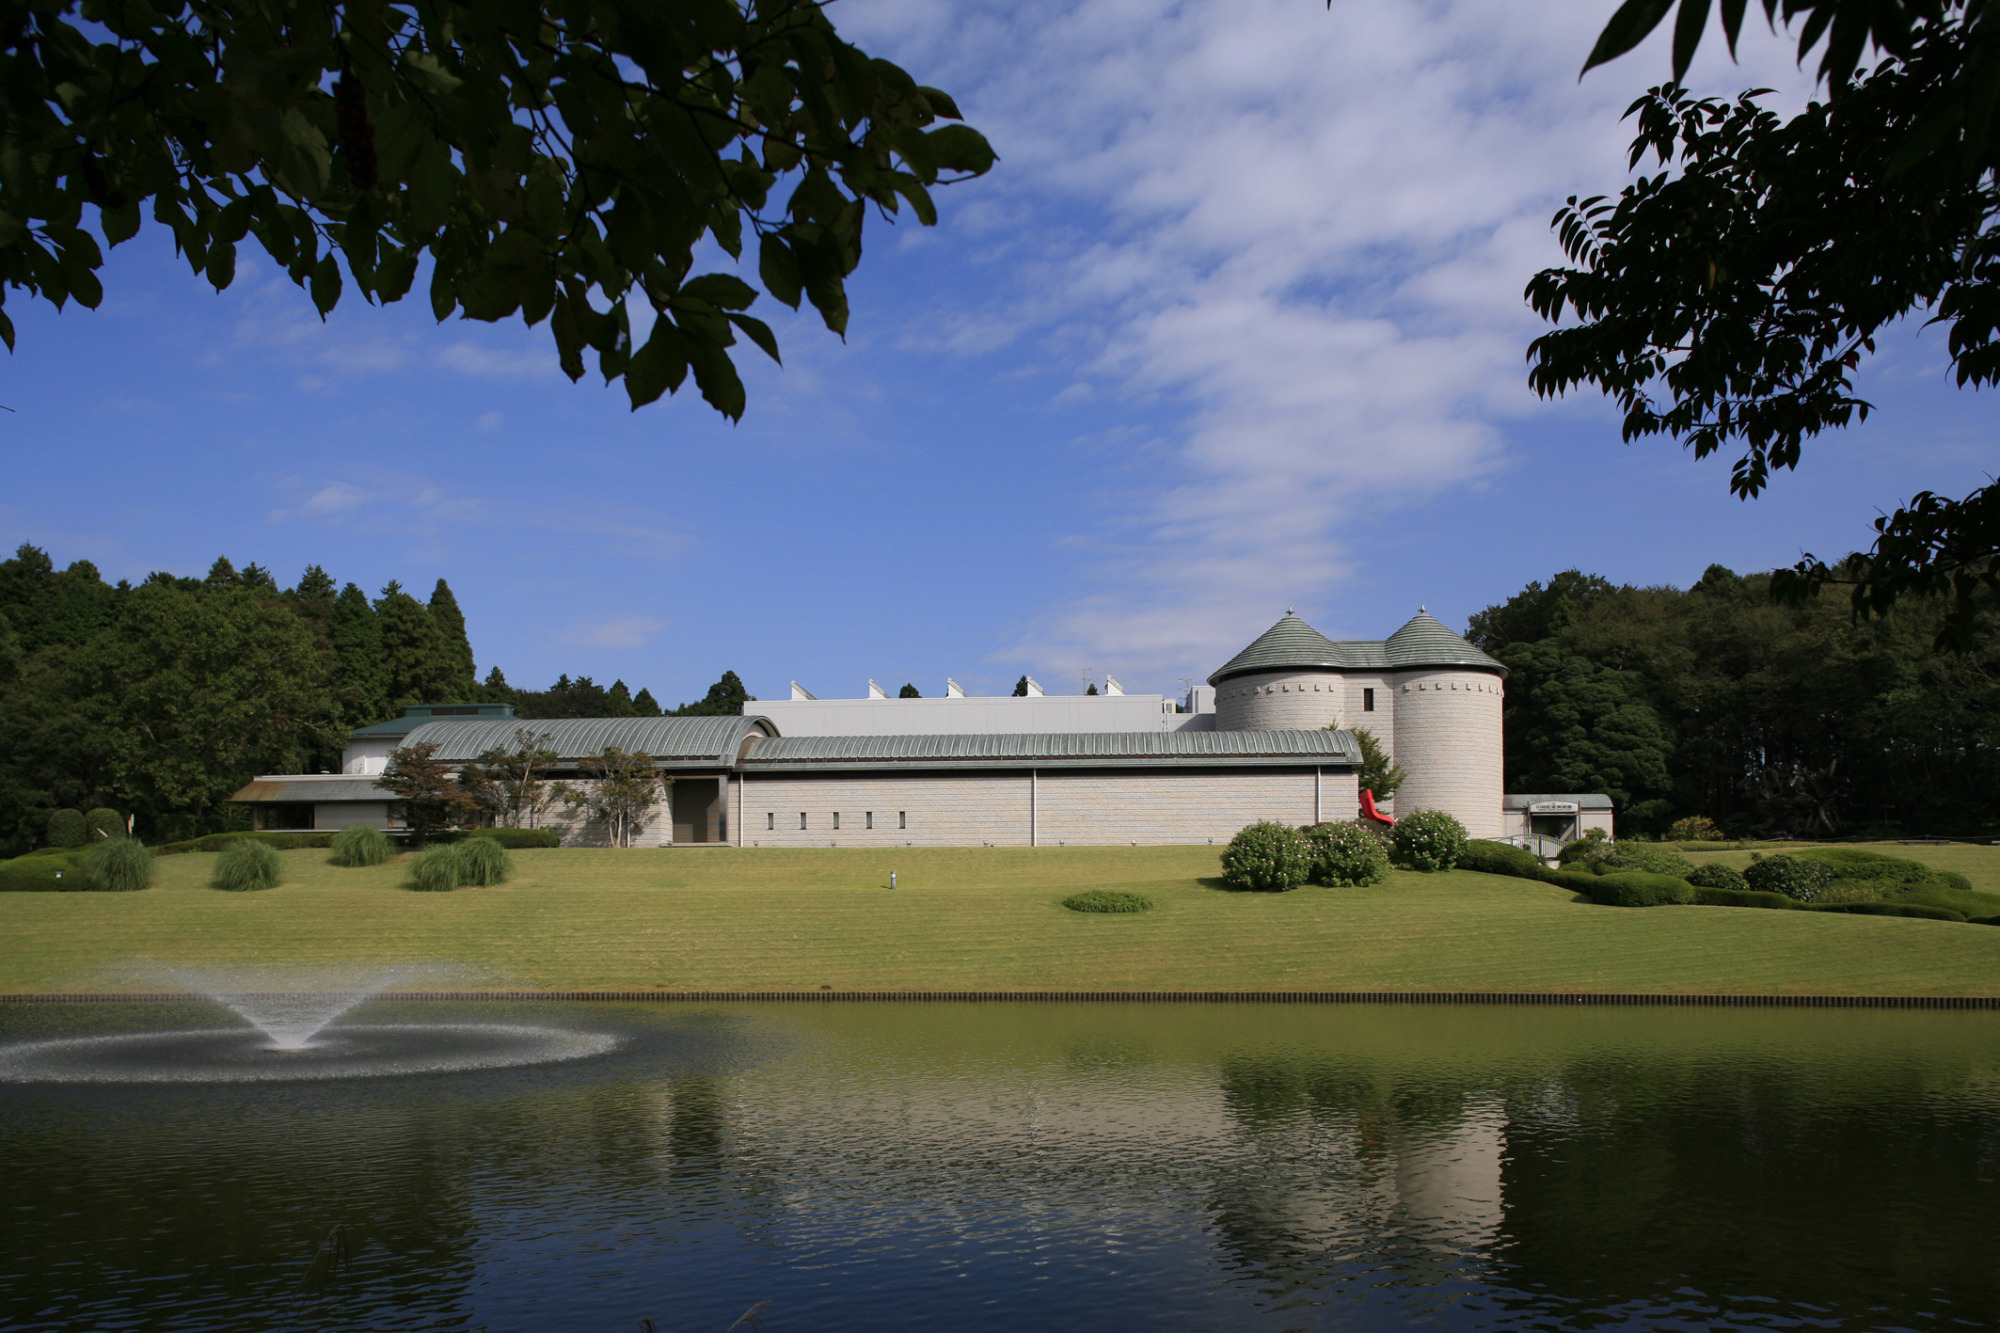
[
  {"x": 1266, "y": 858},
  {"x": 104, "y": 822},
  {"x": 1499, "y": 858},
  {"x": 481, "y": 860},
  {"x": 67, "y": 828},
  {"x": 1345, "y": 855},
  {"x": 436, "y": 870},
  {"x": 1695, "y": 828},
  {"x": 1798, "y": 879},
  {"x": 1641, "y": 856},
  {"x": 1712, "y": 876},
  {"x": 247, "y": 864},
  {"x": 1638, "y": 888},
  {"x": 118, "y": 865},
  {"x": 1107, "y": 900},
  {"x": 360, "y": 845},
  {"x": 1428, "y": 840}
]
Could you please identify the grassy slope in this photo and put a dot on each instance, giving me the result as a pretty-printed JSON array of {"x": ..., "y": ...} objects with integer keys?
[{"x": 971, "y": 918}]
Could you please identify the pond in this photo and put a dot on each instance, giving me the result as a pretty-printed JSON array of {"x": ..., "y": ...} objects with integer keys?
[{"x": 1018, "y": 1165}]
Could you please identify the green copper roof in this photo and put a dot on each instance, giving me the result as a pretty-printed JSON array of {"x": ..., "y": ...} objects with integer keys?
[
  {"x": 1078, "y": 749},
  {"x": 417, "y": 714},
  {"x": 672, "y": 742},
  {"x": 1291, "y": 643}
]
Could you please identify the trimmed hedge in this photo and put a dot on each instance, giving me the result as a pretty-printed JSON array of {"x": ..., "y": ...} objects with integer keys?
[
  {"x": 1576, "y": 881},
  {"x": 1107, "y": 900},
  {"x": 1345, "y": 855},
  {"x": 1427, "y": 841},
  {"x": 514, "y": 839},
  {"x": 1266, "y": 857},
  {"x": 104, "y": 822},
  {"x": 1639, "y": 888},
  {"x": 47, "y": 870},
  {"x": 1498, "y": 858},
  {"x": 1891, "y": 909},
  {"x": 1712, "y": 876},
  {"x": 1712, "y": 897},
  {"x": 215, "y": 842},
  {"x": 66, "y": 828}
]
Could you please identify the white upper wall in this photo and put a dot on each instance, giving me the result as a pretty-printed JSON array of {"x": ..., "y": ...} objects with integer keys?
[{"x": 959, "y": 716}]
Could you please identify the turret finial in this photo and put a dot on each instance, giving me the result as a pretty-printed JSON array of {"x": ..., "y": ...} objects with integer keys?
[
  {"x": 1422, "y": 609},
  {"x": 1288, "y": 610}
]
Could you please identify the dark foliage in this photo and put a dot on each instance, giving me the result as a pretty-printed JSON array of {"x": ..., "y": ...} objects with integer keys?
[
  {"x": 1713, "y": 876},
  {"x": 544, "y": 161},
  {"x": 1795, "y": 877},
  {"x": 1713, "y": 896},
  {"x": 1728, "y": 300},
  {"x": 1774, "y": 720},
  {"x": 909, "y": 692},
  {"x": 67, "y": 828}
]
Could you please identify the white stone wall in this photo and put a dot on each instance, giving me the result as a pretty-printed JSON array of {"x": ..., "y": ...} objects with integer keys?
[
  {"x": 943, "y": 809},
  {"x": 578, "y": 829},
  {"x": 1070, "y": 808},
  {"x": 1290, "y": 700},
  {"x": 1448, "y": 739}
]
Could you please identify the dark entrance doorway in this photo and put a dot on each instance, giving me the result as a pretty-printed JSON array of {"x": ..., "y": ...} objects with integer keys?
[{"x": 698, "y": 811}]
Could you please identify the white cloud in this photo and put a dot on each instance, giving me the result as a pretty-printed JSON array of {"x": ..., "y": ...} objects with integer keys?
[
  {"x": 471, "y": 359},
  {"x": 490, "y": 420},
  {"x": 334, "y": 498},
  {"x": 629, "y": 633},
  {"x": 1308, "y": 231}
]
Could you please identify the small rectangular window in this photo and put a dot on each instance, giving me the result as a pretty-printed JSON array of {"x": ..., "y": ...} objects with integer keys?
[
  {"x": 802, "y": 819},
  {"x": 836, "y": 819},
  {"x": 868, "y": 819},
  {"x": 771, "y": 819},
  {"x": 902, "y": 819},
  {"x": 1367, "y": 701}
]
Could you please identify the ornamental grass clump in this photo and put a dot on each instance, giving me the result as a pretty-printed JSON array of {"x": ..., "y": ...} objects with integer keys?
[
  {"x": 1427, "y": 840},
  {"x": 1345, "y": 855},
  {"x": 1800, "y": 880},
  {"x": 360, "y": 845},
  {"x": 1266, "y": 858},
  {"x": 245, "y": 865},
  {"x": 1107, "y": 900},
  {"x": 118, "y": 865},
  {"x": 482, "y": 860},
  {"x": 436, "y": 870}
]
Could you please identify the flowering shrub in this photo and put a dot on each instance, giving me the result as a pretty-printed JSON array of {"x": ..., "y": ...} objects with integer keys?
[
  {"x": 1798, "y": 879},
  {"x": 1713, "y": 876},
  {"x": 1345, "y": 855},
  {"x": 1428, "y": 840},
  {"x": 1695, "y": 828},
  {"x": 1267, "y": 858}
]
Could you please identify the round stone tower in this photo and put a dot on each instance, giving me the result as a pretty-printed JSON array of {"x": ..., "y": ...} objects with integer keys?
[{"x": 1431, "y": 699}]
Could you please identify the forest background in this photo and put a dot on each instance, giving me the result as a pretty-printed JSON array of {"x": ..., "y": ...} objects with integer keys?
[{"x": 160, "y": 699}]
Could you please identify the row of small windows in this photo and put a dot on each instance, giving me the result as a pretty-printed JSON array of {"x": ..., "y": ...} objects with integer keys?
[
  {"x": 1367, "y": 695},
  {"x": 867, "y": 819}
]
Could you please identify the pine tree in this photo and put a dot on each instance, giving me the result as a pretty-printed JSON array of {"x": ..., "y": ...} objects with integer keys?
[
  {"x": 1021, "y": 688},
  {"x": 908, "y": 692},
  {"x": 643, "y": 704},
  {"x": 496, "y": 690},
  {"x": 409, "y": 649},
  {"x": 618, "y": 700},
  {"x": 360, "y": 682},
  {"x": 725, "y": 698},
  {"x": 221, "y": 574},
  {"x": 1092, "y": 689},
  {"x": 455, "y": 669}
]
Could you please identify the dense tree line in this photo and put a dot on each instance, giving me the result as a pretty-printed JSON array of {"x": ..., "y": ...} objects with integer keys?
[
  {"x": 1768, "y": 718},
  {"x": 160, "y": 699}
]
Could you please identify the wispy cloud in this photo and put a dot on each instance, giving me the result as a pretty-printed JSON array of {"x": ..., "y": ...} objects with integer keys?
[
  {"x": 1309, "y": 230},
  {"x": 632, "y": 632},
  {"x": 468, "y": 358}
]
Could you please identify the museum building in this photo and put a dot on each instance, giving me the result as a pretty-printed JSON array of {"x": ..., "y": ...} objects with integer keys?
[{"x": 1269, "y": 737}]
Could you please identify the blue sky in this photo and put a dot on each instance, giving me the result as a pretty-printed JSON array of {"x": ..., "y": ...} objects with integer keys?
[{"x": 1235, "y": 324}]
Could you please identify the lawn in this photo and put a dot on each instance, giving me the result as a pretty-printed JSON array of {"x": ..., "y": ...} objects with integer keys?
[{"x": 965, "y": 919}]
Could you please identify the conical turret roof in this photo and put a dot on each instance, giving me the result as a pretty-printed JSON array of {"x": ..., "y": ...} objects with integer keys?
[
  {"x": 1426, "y": 642},
  {"x": 1291, "y": 643}
]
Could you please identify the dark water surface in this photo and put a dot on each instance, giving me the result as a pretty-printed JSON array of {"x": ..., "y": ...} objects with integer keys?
[{"x": 1040, "y": 1166}]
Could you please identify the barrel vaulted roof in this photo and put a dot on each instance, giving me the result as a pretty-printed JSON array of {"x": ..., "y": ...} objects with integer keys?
[
  {"x": 673, "y": 742},
  {"x": 1292, "y": 644},
  {"x": 1056, "y": 750}
]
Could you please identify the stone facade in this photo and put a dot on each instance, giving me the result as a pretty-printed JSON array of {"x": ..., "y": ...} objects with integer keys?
[{"x": 1024, "y": 808}]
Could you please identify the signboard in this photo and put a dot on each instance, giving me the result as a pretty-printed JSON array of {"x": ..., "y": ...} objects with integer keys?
[{"x": 1552, "y": 808}]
